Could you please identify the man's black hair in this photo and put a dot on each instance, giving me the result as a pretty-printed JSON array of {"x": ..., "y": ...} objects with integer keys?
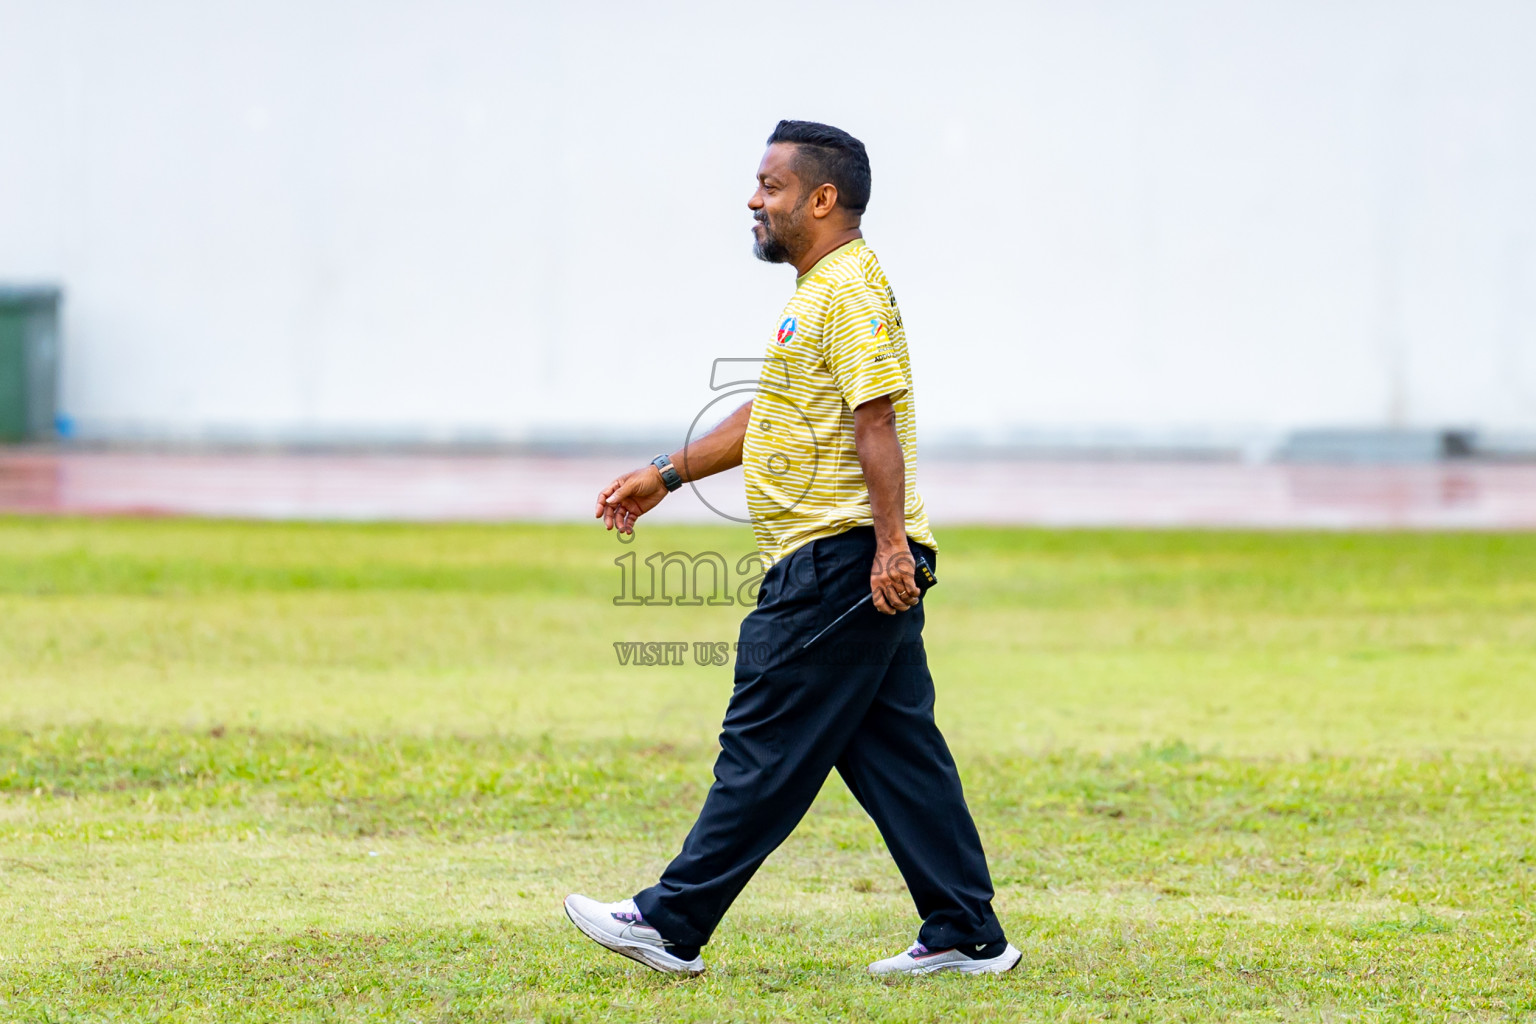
[{"x": 828, "y": 155}]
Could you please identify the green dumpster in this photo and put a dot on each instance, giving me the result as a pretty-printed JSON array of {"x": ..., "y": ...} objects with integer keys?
[{"x": 29, "y": 363}]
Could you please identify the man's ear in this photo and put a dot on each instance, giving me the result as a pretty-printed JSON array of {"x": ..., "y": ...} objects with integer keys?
[{"x": 823, "y": 200}]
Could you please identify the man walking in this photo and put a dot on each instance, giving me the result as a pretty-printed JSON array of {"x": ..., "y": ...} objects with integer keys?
[{"x": 827, "y": 448}]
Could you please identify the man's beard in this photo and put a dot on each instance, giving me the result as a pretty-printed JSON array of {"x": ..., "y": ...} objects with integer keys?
[{"x": 783, "y": 244}]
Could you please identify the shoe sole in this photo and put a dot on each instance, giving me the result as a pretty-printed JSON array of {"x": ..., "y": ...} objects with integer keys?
[
  {"x": 997, "y": 965},
  {"x": 635, "y": 951}
]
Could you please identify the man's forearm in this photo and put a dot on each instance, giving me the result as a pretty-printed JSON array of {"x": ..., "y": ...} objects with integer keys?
[
  {"x": 885, "y": 470},
  {"x": 717, "y": 451}
]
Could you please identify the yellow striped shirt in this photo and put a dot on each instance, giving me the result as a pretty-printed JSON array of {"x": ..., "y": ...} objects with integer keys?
[{"x": 839, "y": 343}]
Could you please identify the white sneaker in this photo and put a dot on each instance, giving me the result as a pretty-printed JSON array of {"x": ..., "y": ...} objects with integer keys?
[
  {"x": 922, "y": 960},
  {"x": 619, "y": 927}
]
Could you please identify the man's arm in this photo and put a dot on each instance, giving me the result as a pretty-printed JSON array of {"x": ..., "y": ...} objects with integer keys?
[
  {"x": 634, "y": 494},
  {"x": 892, "y": 579}
]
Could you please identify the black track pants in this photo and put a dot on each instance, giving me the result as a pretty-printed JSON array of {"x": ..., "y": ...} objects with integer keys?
[{"x": 861, "y": 701}]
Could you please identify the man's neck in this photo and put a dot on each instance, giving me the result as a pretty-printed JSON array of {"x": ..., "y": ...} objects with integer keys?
[{"x": 817, "y": 252}]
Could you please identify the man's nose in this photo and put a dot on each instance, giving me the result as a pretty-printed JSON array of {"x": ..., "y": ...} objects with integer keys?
[{"x": 756, "y": 202}]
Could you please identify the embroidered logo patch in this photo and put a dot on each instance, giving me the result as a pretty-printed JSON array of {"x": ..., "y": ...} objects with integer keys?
[
  {"x": 877, "y": 329},
  {"x": 786, "y": 330}
]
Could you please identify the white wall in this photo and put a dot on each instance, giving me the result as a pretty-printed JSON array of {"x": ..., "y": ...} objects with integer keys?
[{"x": 462, "y": 219}]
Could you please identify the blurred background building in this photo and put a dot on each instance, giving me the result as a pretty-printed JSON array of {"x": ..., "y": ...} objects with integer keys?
[{"x": 1198, "y": 227}]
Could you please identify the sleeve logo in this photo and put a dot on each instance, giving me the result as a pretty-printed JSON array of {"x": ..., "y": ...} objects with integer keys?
[
  {"x": 877, "y": 330},
  {"x": 786, "y": 330}
]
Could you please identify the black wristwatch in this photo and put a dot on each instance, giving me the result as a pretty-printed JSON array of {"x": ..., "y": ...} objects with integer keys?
[{"x": 669, "y": 474}]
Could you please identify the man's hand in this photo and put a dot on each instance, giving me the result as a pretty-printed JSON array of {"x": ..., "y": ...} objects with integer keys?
[
  {"x": 634, "y": 494},
  {"x": 893, "y": 577},
  {"x": 630, "y": 497},
  {"x": 893, "y": 580}
]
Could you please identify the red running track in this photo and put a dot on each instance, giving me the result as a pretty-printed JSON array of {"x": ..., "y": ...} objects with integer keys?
[{"x": 1455, "y": 495}]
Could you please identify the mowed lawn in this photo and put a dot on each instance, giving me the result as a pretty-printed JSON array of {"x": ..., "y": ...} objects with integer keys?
[{"x": 269, "y": 772}]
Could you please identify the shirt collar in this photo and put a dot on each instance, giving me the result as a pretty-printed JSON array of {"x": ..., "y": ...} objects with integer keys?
[{"x": 857, "y": 243}]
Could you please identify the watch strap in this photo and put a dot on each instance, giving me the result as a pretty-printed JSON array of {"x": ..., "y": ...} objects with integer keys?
[{"x": 669, "y": 474}]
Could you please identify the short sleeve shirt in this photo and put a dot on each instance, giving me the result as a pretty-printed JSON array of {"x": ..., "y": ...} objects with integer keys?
[{"x": 839, "y": 343}]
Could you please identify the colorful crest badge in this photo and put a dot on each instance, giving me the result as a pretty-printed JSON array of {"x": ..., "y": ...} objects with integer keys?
[
  {"x": 877, "y": 329},
  {"x": 786, "y": 330}
]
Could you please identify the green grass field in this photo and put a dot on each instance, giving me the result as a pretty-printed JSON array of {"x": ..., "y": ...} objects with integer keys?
[{"x": 291, "y": 772}]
